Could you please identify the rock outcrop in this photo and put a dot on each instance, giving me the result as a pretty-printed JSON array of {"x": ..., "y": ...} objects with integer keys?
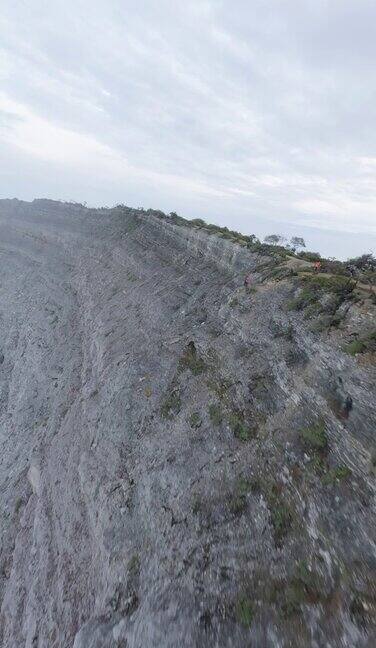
[{"x": 183, "y": 463}]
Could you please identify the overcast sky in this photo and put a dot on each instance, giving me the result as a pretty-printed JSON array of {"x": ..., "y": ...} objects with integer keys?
[{"x": 257, "y": 114}]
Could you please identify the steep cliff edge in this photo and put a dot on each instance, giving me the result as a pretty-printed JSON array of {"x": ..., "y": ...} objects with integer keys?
[{"x": 183, "y": 463}]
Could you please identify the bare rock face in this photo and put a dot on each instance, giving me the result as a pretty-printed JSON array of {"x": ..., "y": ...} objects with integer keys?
[{"x": 183, "y": 462}]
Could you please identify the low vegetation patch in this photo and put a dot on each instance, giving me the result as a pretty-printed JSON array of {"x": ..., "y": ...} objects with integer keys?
[
  {"x": 338, "y": 474},
  {"x": 322, "y": 323},
  {"x": 215, "y": 414},
  {"x": 196, "y": 504},
  {"x": 281, "y": 514},
  {"x": 315, "y": 437},
  {"x": 281, "y": 519},
  {"x": 313, "y": 310},
  {"x": 220, "y": 387},
  {"x": 239, "y": 427},
  {"x": 305, "y": 587},
  {"x": 18, "y": 504},
  {"x": 309, "y": 256},
  {"x": 279, "y": 273},
  {"x": 306, "y": 297},
  {"x": 320, "y": 298},
  {"x": 336, "y": 284},
  {"x": 281, "y": 331},
  {"x": 366, "y": 343},
  {"x": 238, "y": 499},
  {"x": 363, "y": 609},
  {"x": 355, "y": 347},
  {"x": 192, "y": 360},
  {"x": 244, "y": 611},
  {"x": 195, "y": 420},
  {"x": 171, "y": 405},
  {"x": 134, "y": 564}
]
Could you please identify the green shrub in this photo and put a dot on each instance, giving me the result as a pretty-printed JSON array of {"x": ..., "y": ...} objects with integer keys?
[
  {"x": 319, "y": 465},
  {"x": 339, "y": 473},
  {"x": 370, "y": 340},
  {"x": 18, "y": 504},
  {"x": 294, "y": 596},
  {"x": 339, "y": 285},
  {"x": 279, "y": 330},
  {"x": 322, "y": 323},
  {"x": 361, "y": 612},
  {"x": 333, "y": 267},
  {"x": 304, "y": 299},
  {"x": 281, "y": 514},
  {"x": 315, "y": 287},
  {"x": 195, "y": 420},
  {"x": 361, "y": 345},
  {"x": 215, "y": 414},
  {"x": 238, "y": 499},
  {"x": 158, "y": 212},
  {"x": 238, "y": 504},
  {"x": 312, "y": 310},
  {"x": 239, "y": 427},
  {"x": 198, "y": 222},
  {"x": 243, "y": 486},
  {"x": 196, "y": 504},
  {"x": 134, "y": 564},
  {"x": 305, "y": 587},
  {"x": 178, "y": 220},
  {"x": 355, "y": 347},
  {"x": 315, "y": 437},
  {"x": 244, "y": 611},
  {"x": 281, "y": 518},
  {"x": 278, "y": 273},
  {"x": 336, "y": 320},
  {"x": 192, "y": 360},
  {"x": 213, "y": 228},
  {"x": 364, "y": 262},
  {"x": 309, "y": 256},
  {"x": 220, "y": 387},
  {"x": 171, "y": 405}
]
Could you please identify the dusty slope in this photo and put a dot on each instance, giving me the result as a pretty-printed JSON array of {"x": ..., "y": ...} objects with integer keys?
[{"x": 159, "y": 494}]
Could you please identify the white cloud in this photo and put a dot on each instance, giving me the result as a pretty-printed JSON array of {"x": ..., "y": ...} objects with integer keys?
[
  {"x": 45, "y": 141},
  {"x": 197, "y": 107},
  {"x": 37, "y": 137}
]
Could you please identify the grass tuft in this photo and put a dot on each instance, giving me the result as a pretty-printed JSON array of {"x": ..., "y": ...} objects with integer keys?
[
  {"x": 244, "y": 611},
  {"x": 215, "y": 414},
  {"x": 281, "y": 514},
  {"x": 192, "y": 360},
  {"x": 338, "y": 474},
  {"x": 362, "y": 344},
  {"x": 238, "y": 501},
  {"x": 239, "y": 428},
  {"x": 195, "y": 420},
  {"x": 315, "y": 437},
  {"x": 171, "y": 405}
]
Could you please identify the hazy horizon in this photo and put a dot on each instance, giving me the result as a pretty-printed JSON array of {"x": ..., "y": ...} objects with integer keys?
[{"x": 259, "y": 117}]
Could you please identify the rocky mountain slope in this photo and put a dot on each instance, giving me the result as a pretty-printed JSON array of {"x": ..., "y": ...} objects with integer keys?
[{"x": 183, "y": 463}]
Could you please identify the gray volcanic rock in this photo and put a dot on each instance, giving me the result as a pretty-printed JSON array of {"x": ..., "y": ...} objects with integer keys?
[{"x": 180, "y": 465}]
